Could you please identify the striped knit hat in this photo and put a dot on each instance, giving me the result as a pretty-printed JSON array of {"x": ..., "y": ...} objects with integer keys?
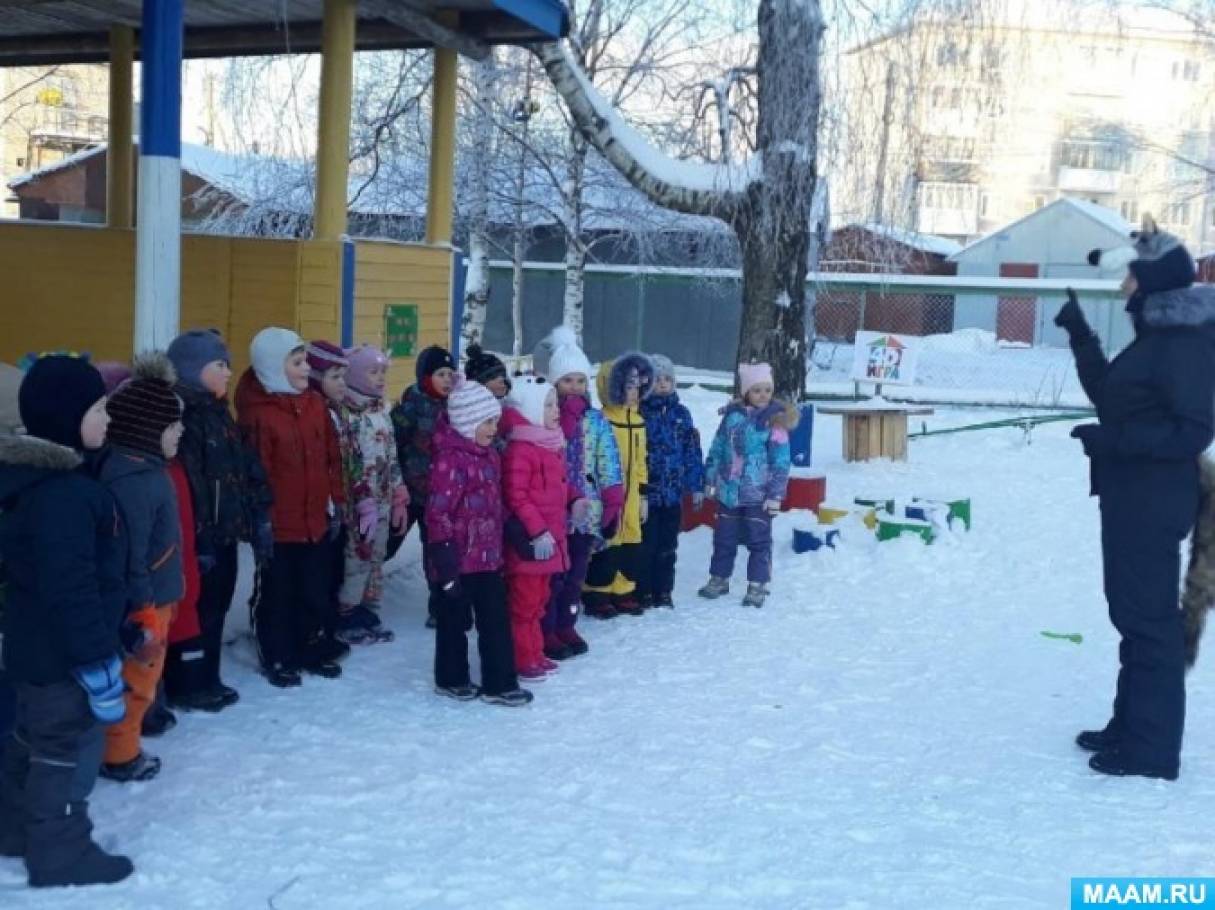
[
  {"x": 142, "y": 408},
  {"x": 322, "y": 356},
  {"x": 470, "y": 405}
]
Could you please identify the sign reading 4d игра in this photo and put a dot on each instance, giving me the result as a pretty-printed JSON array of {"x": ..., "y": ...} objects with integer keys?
[{"x": 881, "y": 357}]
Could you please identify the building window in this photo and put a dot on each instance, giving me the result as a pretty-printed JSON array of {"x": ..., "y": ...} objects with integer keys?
[
  {"x": 1096, "y": 156},
  {"x": 952, "y": 196},
  {"x": 1177, "y": 213},
  {"x": 1130, "y": 210},
  {"x": 1186, "y": 70}
]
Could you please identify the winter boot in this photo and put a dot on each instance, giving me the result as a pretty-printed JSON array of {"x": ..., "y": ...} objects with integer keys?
[
  {"x": 599, "y": 606},
  {"x": 226, "y": 694},
  {"x": 210, "y": 700},
  {"x": 716, "y": 587},
  {"x": 555, "y": 648},
  {"x": 1118, "y": 764},
  {"x": 323, "y": 668},
  {"x": 533, "y": 674},
  {"x": 141, "y": 768},
  {"x": 664, "y": 601},
  {"x": 353, "y": 629},
  {"x": 755, "y": 596},
  {"x": 370, "y": 618},
  {"x": 282, "y": 676},
  {"x": 576, "y": 642},
  {"x": 431, "y": 622},
  {"x": 95, "y": 867},
  {"x": 514, "y": 698},
  {"x": 158, "y": 721},
  {"x": 1098, "y": 740},
  {"x": 549, "y": 666},
  {"x": 459, "y": 693},
  {"x": 12, "y": 845},
  {"x": 628, "y": 605}
]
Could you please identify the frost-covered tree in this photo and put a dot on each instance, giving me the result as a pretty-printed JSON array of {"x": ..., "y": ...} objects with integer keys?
[{"x": 766, "y": 200}]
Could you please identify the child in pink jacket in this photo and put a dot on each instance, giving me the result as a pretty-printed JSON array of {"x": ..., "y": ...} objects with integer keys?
[
  {"x": 537, "y": 496},
  {"x": 464, "y": 550}
]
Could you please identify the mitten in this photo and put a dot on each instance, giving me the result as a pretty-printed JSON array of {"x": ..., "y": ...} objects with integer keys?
[
  {"x": 102, "y": 683},
  {"x": 1071, "y": 319},
  {"x": 1095, "y": 439},
  {"x": 544, "y": 546},
  {"x": 645, "y": 510},
  {"x": 580, "y": 512},
  {"x": 772, "y": 506},
  {"x": 368, "y": 513},
  {"x": 400, "y": 508},
  {"x": 698, "y": 500}
]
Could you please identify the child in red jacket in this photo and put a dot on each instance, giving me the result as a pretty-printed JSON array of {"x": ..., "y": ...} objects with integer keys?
[
  {"x": 288, "y": 425},
  {"x": 537, "y": 496}
]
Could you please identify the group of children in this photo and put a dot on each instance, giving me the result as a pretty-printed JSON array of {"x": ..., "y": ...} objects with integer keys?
[{"x": 125, "y": 496}]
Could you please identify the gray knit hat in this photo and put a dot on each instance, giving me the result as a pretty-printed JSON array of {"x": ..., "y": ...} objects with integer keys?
[
  {"x": 663, "y": 367},
  {"x": 190, "y": 353}
]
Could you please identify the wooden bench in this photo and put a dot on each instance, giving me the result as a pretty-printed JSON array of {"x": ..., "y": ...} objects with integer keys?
[{"x": 874, "y": 428}]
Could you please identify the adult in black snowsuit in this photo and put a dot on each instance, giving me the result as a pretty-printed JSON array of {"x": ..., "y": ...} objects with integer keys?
[{"x": 1156, "y": 415}]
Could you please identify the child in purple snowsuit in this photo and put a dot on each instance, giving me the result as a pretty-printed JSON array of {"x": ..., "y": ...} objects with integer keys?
[{"x": 747, "y": 472}]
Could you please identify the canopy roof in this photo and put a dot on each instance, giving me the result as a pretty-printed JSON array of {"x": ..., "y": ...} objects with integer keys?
[{"x": 51, "y": 32}]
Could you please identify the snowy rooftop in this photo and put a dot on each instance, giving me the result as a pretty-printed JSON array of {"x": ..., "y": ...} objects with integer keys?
[
  {"x": 926, "y": 243},
  {"x": 1107, "y": 218},
  {"x": 399, "y": 188}
]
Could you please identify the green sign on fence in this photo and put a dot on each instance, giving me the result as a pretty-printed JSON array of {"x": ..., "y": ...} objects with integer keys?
[{"x": 401, "y": 329}]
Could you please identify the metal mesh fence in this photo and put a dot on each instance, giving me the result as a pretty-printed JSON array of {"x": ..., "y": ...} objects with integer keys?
[{"x": 979, "y": 340}]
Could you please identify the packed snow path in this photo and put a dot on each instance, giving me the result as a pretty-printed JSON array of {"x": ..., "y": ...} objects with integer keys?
[{"x": 890, "y": 730}]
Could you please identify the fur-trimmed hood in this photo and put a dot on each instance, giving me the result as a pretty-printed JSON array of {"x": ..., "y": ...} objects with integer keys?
[
  {"x": 1184, "y": 307},
  {"x": 27, "y": 460},
  {"x": 613, "y": 375},
  {"x": 776, "y": 414}
]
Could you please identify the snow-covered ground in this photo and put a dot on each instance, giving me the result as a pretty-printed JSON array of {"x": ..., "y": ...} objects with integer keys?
[{"x": 891, "y": 730}]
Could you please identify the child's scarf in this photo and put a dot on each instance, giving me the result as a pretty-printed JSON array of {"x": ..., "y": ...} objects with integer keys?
[{"x": 553, "y": 440}]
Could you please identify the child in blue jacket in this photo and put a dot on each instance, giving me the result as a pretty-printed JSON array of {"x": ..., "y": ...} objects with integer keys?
[
  {"x": 675, "y": 469},
  {"x": 747, "y": 472}
]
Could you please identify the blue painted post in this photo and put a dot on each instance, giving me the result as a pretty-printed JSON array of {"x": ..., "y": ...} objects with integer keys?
[
  {"x": 348, "y": 265},
  {"x": 158, "y": 224}
]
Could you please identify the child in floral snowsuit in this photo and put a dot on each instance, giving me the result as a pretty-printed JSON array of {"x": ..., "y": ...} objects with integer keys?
[
  {"x": 748, "y": 473},
  {"x": 378, "y": 497}
]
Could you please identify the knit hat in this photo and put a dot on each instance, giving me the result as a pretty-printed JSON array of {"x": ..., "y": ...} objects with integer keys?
[
  {"x": 145, "y": 406},
  {"x": 10, "y": 383},
  {"x": 323, "y": 356},
  {"x": 470, "y": 405},
  {"x": 752, "y": 374},
  {"x": 113, "y": 373},
  {"x": 483, "y": 367},
  {"x": 529, "y": 396},
  {"x": 269, "y": 352},
  {"x": 363, "y": 359},
  {"x": 663, "y": 366},
  {"x": 1158, "y": 260},
  {"x": 55, "y": 395},
  {"x": 191, "y": 351},
  {"x": 559, "y": 355},
  {"x": 433, "y": 359}
]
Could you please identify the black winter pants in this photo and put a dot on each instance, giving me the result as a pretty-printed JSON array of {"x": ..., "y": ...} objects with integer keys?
[
  {"x": 417, "y": 516},
  {"x": 48, "y": 770},
  {"x": 290, "y": 601},
  {"x": 483, "y": 599},
  {"x": 659, "y": 550},
  {"x": 1142, "y": 579},
  {"x": 193, "y": 666}
]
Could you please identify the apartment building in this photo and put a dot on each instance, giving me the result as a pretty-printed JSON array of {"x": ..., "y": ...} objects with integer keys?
[{"x": 958, "y": 127}]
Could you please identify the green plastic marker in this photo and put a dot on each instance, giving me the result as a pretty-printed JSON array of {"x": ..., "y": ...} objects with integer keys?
[{"x": 1074, "y": 637}]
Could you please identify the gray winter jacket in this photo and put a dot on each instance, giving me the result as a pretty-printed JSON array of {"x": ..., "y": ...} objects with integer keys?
[{"x": 141, "y": 485}]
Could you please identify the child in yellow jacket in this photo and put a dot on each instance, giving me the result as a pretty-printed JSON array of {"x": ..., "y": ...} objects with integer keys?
[{"x": 611, "y": 578}]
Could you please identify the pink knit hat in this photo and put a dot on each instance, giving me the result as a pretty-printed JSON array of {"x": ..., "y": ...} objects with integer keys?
[
  {"x": 363, "y": 359},
  {"x": 752, "y": 374},
  {"x": 323, "y": 356}
]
